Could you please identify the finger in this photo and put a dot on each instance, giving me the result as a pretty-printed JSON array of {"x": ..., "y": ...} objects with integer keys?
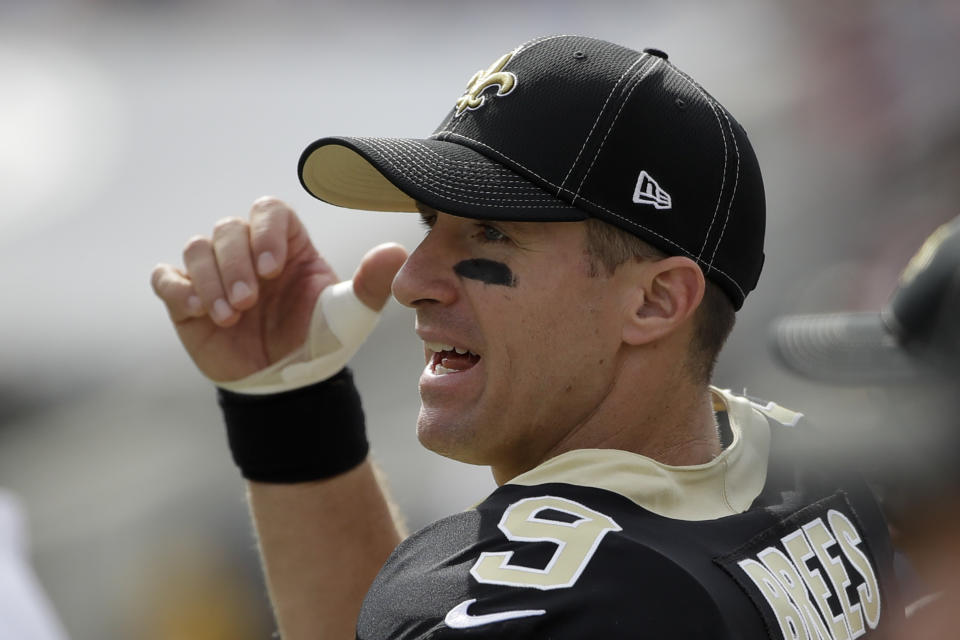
[
  {"x": 201, "y": 266},
  {"x": 272, "y": 225},
  {"x": 374, "y": 276},
  {"x": 177, "y": 293},
  {"x": 231, "y": 247}
]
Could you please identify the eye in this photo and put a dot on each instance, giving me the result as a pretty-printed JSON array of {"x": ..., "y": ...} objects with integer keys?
[{"x": 491, "y": 234}]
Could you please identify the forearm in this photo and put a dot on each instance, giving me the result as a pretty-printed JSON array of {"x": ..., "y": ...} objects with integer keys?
[
  {"x": 323, "y": 520},
  {"x": 322, "y": 544}
]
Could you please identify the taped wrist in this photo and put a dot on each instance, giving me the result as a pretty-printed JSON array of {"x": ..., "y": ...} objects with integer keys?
[
  {"x": 338, "y": 327},
  {"x": 310, "y": 433}
]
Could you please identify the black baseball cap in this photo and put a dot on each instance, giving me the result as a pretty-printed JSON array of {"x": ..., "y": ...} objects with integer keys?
[
  {"x": 567, "y": 127},
  {"x": 916, "y": 336}
]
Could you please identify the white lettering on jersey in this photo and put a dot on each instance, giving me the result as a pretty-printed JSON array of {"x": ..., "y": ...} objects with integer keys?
[
  {"x": 800, "y": 581},
  {"x": 869, "y": 591},
  {"x": 793, "y": 624}
]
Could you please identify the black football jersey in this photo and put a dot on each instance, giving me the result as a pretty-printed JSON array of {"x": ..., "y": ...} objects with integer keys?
[{"x": 610, "y": 544}]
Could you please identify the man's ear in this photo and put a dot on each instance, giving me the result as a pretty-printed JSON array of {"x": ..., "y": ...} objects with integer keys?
[{"x": 666, "y": 293}]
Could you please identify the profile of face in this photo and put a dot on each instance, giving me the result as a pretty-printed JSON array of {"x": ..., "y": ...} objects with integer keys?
[{"x": 522, "y": 342}]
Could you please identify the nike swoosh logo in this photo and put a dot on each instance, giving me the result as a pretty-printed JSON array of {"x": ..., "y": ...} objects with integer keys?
[{"x": 458, "y": 618}]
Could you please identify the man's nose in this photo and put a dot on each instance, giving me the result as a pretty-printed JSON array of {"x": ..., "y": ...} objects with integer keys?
[{"x": 427, "y": 276}]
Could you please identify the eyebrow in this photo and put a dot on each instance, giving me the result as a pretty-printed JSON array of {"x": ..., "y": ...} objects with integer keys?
[{"x": 427, "y": 212}]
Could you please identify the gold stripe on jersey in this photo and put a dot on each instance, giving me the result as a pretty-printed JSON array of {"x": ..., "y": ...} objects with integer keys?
[{"x": 726, "y": 485}]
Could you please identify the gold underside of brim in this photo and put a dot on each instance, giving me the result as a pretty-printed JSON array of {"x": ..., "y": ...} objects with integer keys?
[{"x": 341, "y": 176}]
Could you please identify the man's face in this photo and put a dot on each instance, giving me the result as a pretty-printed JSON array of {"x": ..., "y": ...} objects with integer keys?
[{"x": 536, "y": 339}]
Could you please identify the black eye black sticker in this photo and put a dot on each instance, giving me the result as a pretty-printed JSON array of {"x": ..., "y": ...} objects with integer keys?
[{"x": 486, "y": 271}]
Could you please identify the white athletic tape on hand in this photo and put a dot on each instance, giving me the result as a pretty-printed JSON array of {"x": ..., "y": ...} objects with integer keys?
[{"x": 340, "y": 324}]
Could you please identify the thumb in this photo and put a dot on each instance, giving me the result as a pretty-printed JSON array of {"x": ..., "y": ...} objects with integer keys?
[{"x": 374, "y": 276}]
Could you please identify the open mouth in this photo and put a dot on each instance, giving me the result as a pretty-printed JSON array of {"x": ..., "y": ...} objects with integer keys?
[{"x": 449, "y": 359}]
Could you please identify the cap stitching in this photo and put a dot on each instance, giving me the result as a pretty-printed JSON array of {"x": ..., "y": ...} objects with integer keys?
[
  {"x": 726, "y": 152},
  {"x": 456, "y": 122},
  {"x": 408, "y": 169},
  {"x": 445, "y": 172},
  {"x": 487, "y": 165},
  {"x": 599, "y": 206},
  {"x": 507, "y": 158},
  {"x": 736, "y": 184},
  {"x": 476, "y": 194},
  {"x": 455, "y": 174},
  {"x": 479, "y": 201},
  {"x": 532, "y": 43},
  {"x": 492, "y": 167},
  {"x": 446, "y": 124},
  {"x": 645, "y": 73},
  {"x": 597, "y": 121},
  {"x": 667, "y": 240}
]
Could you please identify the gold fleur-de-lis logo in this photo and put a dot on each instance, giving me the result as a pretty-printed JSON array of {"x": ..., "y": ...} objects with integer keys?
[{"x": 481, "y": 80}]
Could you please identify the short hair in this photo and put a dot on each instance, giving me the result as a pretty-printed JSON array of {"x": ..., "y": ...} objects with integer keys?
[{"x": 608, "y": 247}]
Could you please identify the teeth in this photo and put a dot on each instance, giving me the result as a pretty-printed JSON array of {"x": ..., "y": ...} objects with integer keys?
[
  {"x": 441, "y": 370},
  {"x": 438, "y": 347}
]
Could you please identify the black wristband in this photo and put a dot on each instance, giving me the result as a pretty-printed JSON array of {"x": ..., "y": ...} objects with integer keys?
[{"x": 306, "y": 434}]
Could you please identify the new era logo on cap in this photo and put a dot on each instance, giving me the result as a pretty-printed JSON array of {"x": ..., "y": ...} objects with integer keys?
[{"x": 649, "y": 192}]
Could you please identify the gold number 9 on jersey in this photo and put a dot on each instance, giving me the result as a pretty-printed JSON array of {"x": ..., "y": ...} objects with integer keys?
[{"x": 576, "y": 542}]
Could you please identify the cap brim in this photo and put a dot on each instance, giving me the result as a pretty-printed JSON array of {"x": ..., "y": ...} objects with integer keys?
[
  {"x": 394, "y": 174},
  {"x": 848, "y": 348}
]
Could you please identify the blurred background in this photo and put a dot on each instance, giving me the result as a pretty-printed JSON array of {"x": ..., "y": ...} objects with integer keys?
[{"x": 127, "y": 127}]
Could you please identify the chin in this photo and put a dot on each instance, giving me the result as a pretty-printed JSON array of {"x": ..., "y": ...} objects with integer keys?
[{"x": 450, "y": 439}]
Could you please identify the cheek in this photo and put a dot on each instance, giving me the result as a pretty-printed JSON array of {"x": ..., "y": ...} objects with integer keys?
[
  {"x": 547, "y": 323},
  {"x": 551, "y": 339},
  {"x": 580, "y": 340}
]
